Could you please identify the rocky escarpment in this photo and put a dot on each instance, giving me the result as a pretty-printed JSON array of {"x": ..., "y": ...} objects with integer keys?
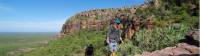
[
  {"x": 98, "y": 19},
  {"x": 93, "y": 20}
]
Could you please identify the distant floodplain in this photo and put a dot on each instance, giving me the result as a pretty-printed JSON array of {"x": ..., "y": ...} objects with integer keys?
[{"x": 12, "y": 41}]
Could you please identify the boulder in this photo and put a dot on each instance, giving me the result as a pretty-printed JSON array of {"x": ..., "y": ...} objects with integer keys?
[
  {"x": 145, "y": 54},
  {"x": 192, "y": 37},
  {"x": 167, "y": 50},
  {"x": 182, "y": 49},
  {"x": 158, "y": 53},
  {"x": 191, "y": 48},
  {"x": 179, "y": 51}
]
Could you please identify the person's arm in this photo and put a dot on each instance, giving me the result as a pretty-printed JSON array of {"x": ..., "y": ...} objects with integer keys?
[
  {"x": 121, "y": 40},
  {"x": 85, "y": 47},
  {"x": 107, "y": 40},
  {"x": 109, "y": 30}
]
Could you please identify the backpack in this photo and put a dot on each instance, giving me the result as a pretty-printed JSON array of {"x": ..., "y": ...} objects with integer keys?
[{"x": 89, "y": 50}]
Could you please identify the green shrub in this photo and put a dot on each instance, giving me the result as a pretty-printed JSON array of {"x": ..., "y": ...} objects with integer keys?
[
  {"x": 129, "y": 48},
  {"x": 159, "y": 38}
]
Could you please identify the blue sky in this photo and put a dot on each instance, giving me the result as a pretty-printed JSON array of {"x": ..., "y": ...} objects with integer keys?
[{"x": 48, "y": 15}]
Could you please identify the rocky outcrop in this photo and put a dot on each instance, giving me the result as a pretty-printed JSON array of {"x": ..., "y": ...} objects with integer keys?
[
  {"x": 182, "y": 49},
  {"x": 93, "y": 20},
  {"x": 193, "y": 37},
  {"x": 99, "y": 19}
]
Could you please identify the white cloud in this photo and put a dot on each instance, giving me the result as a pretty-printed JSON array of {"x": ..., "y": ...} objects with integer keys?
[
  {"x": 31, "y": 26},
  {"x": 6, "y": 9}
]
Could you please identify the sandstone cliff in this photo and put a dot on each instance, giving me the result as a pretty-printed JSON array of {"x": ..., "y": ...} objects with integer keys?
[{"x": 98, "y": 19}]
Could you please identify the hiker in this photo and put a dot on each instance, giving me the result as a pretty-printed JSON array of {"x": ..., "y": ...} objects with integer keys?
[
  {"x": 89, "y": 51},
  {"x": 114, "y": 36},
  {"x": 64, "y": 27}
]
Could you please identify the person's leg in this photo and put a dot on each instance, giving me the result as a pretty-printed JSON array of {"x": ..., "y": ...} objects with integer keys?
[
  {"x": 113, "y": 54},
  {"x": 109, "y": 53}
]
